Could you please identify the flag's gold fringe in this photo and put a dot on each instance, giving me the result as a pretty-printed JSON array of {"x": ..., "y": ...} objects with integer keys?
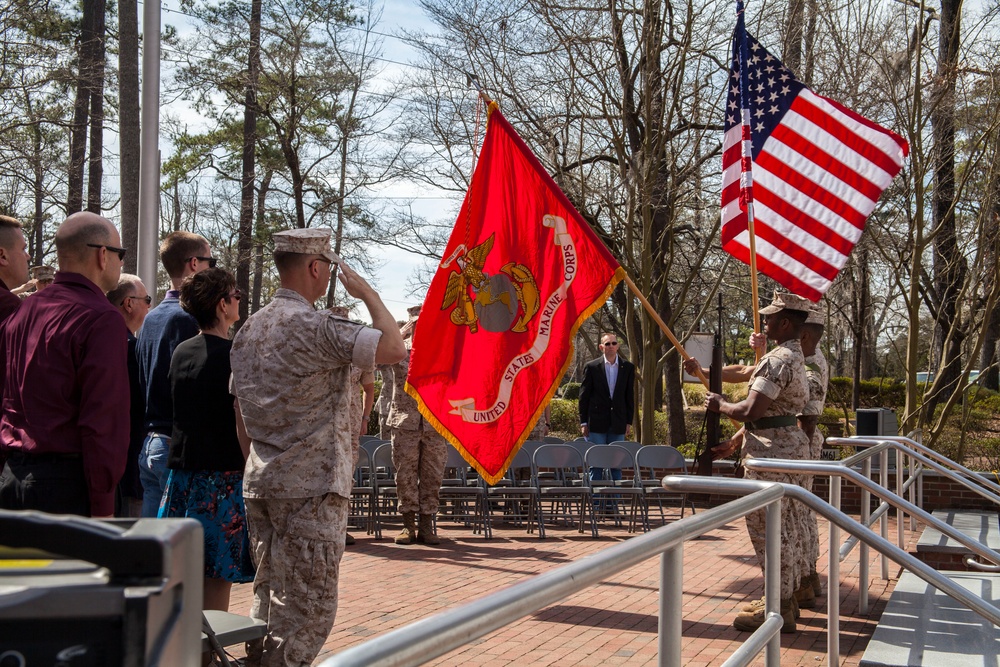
[{"x": 491, "y": 478}]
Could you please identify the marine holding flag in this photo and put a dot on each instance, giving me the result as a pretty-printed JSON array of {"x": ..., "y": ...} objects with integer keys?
[{"x": 521, "y": 272}]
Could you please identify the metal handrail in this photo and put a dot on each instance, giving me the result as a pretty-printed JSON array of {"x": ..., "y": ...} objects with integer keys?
[
  {"x": 436, "y": 635},
  {"x": 938, "y": 463},
  {"x": 808, "y": 467},
  {"x": 923, "y": 456},
  {"x": 839, "y": 520}
]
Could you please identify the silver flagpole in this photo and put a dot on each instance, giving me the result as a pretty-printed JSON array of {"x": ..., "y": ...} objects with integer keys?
[{"x": 149, "y": 164}]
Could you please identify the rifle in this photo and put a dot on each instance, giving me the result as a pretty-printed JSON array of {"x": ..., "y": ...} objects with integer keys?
[{"x": 713, "y": 431}]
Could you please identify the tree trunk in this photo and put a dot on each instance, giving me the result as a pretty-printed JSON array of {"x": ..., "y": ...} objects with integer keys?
[
  {"x": 244, "y": 243},
  {"x": 258, "y": 270},
  {"x": 36, "y": 240},
  {"x": 949, "y": 265},
  {"x": 990, "y": 378},
  {"x": 675, "y": 400},
  {"x": 177, "y": 206},
  {"x": 988, "y": 357},
  {"x": 792, "y": 48},
  {"x": 95, "y": 171},
  {"x": 866, "y": 323},
  {"x": 81, "y": 107},
  {"x": 338, "y": 236},
  {"x": 128, "y": 127},
  {"x": 809, "y": 44}
]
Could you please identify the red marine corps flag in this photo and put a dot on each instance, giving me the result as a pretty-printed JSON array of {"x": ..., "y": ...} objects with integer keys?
[
  {"x": 520, "y": 274},
  {"x": 805, "y": 171}
]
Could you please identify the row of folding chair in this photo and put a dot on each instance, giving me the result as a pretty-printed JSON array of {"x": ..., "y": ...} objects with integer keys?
[
  {"x": 545, "y": 483},
  {"x": 564, "y": 488},
  {"x": 374, "y": 496}
]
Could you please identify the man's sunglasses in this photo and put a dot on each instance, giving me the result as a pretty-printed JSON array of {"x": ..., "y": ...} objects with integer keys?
[
  {"x": 148, "y": 299},
  {"x": 612, "y": 343},
  {"x": 121, "y": 251},
  {"x": 211, "y": 260}
]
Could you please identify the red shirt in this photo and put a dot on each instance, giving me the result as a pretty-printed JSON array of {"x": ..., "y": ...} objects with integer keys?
[
  {"x": 9, "y": 302},
  {"x": 66, "y": 390}
]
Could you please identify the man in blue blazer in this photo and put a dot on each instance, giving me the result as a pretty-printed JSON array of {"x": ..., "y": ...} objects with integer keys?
[{"x": 607, "y": 398}]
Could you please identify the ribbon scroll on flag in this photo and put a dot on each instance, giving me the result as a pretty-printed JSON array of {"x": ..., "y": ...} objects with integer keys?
[
  {"x": 521, "y": 272},
  {"x": 812, "y": 168}
]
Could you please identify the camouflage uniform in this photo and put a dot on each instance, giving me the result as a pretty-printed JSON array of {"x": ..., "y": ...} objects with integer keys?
[
  {"x": 292, "y": 375},
  {"x": 359, "y": 378},
  {"x": 384, "y": 399},
  {"x": 780, "y": 375},
  {"x": 418, "y": 451},
  {"x": 817, "y": 377}
]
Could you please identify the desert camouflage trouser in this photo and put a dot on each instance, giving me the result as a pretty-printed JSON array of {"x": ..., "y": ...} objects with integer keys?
[
  {"x": 297, "y": 546},
  {"x": 810, "y": 523},
  {"x": 419, "y": 458},
  {"x": 785, "y": 443}
]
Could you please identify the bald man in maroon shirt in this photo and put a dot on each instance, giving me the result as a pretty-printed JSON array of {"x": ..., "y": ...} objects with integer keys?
[{"x": 65, "y": 421}]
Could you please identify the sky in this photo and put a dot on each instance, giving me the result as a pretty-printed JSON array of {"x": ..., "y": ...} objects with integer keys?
[{"x": 394, "y": 279}]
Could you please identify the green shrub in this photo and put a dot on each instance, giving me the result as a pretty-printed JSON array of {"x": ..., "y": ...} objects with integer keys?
[
  {"x": 571, "y": 391},
  {"x": 875, "y": 393},
  {"x": 565, "y": 418},
  {"x": 694, "y": 393}
]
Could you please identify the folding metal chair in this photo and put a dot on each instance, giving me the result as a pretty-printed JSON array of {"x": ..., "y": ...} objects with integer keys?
[
  {"x": 384, "y": 481},
  {"x": 567, "y": 487},
  {"x": 520, "y": 497},
  {"x": 364, "y": 501},
  {"x": 608, "y": 492},
  {"x": 460, "y": 493},
  {"x": 652, "y": 463}
]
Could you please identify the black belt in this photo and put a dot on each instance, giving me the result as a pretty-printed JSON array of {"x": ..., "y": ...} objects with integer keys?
[{"x": 772, "y": 422}]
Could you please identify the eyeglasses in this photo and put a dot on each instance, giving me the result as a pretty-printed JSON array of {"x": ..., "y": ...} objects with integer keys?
[
  {"x": 121, "y": 251},
  {"x": 612, "y": 343},
  {"x": 148, "y": 299},
  {"x": 211, "y": 260},
  {"x": 235, "y": 294}
]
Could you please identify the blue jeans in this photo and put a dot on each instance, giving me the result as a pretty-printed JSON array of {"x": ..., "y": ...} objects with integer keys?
[
  {"x": 604, "y": 439},
  {"x": 153, "y": 471}
]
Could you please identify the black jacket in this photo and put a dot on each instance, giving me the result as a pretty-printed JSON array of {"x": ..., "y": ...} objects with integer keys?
[{"x": 602, "y": 412}]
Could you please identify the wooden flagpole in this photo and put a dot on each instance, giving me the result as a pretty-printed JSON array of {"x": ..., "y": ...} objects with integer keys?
[
  {"x": 753, "y": 277},
  {"x": 663, "y": 325}
]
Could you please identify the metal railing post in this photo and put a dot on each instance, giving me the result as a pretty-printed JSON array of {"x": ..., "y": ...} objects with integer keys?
[
  {"x": 883, "y": 480},
  {"x": 833, "y": 582},
  {"x": 900, "y": 514},
  {"x": 866, "y": 504},
  {"x": 671, "y": 605},
  {"x": 772, "y": 578}
]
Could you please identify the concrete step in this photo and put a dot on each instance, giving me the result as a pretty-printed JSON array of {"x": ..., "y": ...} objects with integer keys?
[
  {"x": 923, "y": 627},
  {"x": 942, "y": 552}
]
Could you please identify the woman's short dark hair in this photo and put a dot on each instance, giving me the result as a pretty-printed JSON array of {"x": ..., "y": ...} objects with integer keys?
[{"x": 201, "y": 293}]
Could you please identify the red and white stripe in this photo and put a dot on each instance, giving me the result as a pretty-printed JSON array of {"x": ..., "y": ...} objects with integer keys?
[{"x": 816, "y": 180}]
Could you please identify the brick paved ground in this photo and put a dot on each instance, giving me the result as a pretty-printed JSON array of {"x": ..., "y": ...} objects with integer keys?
[{"x": 384, "y": 586}]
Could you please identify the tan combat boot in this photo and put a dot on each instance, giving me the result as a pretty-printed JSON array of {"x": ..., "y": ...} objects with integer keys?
[
  {"x": 816, "y": 583},
  {"x": 425, "y": 531},
  {"x": 748, "y": 621},
  {"x": 759, "y": 604},
  {"x": 409, "y": 533},
  {"x": 805, "y": 598}
]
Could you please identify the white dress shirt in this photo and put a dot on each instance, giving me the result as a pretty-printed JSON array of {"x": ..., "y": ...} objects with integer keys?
[{"x": 611, "y": 372}]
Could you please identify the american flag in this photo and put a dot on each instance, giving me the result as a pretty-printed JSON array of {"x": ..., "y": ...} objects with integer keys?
[{"x": 812, "y": 169}]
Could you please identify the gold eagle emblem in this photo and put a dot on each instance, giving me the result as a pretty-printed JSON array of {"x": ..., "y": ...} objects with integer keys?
[{"x": 499, "y": 302}]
